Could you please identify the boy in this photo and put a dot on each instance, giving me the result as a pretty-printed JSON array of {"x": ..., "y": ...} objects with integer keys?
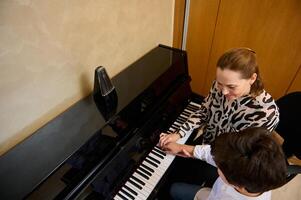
[{"x": 249, "y": 164}]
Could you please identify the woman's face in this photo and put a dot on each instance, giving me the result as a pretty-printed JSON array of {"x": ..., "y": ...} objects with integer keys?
[{"x": 232, "y": 85}]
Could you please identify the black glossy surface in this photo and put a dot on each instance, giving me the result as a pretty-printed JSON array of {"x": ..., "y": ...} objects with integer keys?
[
  {"x": 144, "y": 108},
  {"x": 24, "y": 166}
]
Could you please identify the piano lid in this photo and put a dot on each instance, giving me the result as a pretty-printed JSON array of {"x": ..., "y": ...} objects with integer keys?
[
  {"x": 130, "y": 82},
  {"x": 26, "y": 165}
]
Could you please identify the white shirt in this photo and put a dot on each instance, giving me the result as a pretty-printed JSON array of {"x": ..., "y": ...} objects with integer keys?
[{"x": 221, "y": 190}]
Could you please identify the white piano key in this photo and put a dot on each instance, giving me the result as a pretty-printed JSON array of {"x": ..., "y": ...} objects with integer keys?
[
  {"x": 136, "y": 196},
  {"x": 174, "y": 126},
  {"x": 154, "y": 173},
  {"x": 157, "y": 154},
  {"x": 141, "y": 193},
  {"x": 177, "y": 123},
  {"x": 117, "y": 198},
  {"x": 144, "y": 188},
  {"x": 162, "y": 161},
  {"x": 146, "y": 162},
  {"x": 127, "y": 193},
  {"x": 153, "y": 159},
  {"x": 183, "y": 116},
  {"x": 156, "y": 176},
  {"x": 158, "y": 171},
  {"x": 195, "y": 104},
  {"x": 124, "y": 195},
  {"x": 191, "y": 108},
  {"x": 150, "y": 178},
  {"x": 149, "y": 186},
  {"x": 172, "y": 130},
  {"x": 146, "y": 181},
  {"x": 188, "y": 112}
]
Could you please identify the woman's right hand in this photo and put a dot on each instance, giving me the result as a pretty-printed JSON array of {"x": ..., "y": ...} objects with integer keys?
[
  {"x": 167, "y": 138},
  {"x": 182, "y": 150}
]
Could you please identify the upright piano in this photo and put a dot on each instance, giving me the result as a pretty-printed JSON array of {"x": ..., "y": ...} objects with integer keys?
[{"x": 83, "y": 155}]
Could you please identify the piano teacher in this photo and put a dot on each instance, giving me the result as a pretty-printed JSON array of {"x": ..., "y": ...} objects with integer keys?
[{"x": 237, "y": 100}]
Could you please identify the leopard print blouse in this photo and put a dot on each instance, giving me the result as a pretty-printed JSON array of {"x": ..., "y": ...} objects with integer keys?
[{"x": 218, "y": 115}]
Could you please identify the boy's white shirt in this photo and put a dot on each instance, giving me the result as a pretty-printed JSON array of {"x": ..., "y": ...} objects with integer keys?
[{"x": 221, "y": 190}]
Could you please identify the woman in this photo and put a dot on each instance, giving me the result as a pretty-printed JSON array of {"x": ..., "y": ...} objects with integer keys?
[{"x": 237, "y": 100}]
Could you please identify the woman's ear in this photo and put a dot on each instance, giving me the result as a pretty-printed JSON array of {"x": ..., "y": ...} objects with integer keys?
[{"x": 253, "y": 78}]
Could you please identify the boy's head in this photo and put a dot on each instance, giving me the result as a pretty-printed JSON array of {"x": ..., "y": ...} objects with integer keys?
[{"x": 250, "y": 159}]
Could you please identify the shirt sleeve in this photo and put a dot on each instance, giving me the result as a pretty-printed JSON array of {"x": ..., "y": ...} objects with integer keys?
[
  {"x": 199, "y": 117},
  {"x": 203, "y": 152}
]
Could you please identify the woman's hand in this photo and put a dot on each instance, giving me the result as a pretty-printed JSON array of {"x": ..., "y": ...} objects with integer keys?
[
  {"x": 178, "y": 149},
  {"x": 167, "y": 138}
]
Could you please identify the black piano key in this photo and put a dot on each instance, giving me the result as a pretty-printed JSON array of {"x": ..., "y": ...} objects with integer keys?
[
  {"x": 137, "y": 176},
  {"x": 178, "y": 125},
  {"x": 143, "y": 175},
  {"x": 145, "y": 171},
  {"x": 138, "y": 180},
  {"x": 187, "y": 114},
  {"x": 135, "y": 184},
  {"x": 121, "y": 196},
  {"x": 159, "y": 156},
  {"x": 127, "y": 194},
  {"x": 132, "y": 191},
  {"x": 150, "y": 162},
  {"x": 159, "y": 151},
  {"x": 192, "y": 108},
  {"x": 153, "y": 159},
  {"x": 148, "y": 168},
  {"x": 175, "y": 127},
  {"x": 181, "y": 121}
]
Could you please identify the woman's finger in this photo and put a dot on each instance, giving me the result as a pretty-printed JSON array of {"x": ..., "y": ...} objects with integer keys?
[
  {"x": 162, "y": 140},
  {"x": 166, "y": 140},
  {"x": 162, "y": 134}
]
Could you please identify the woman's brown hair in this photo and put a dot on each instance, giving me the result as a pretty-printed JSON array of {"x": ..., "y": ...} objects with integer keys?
[{"x": 242, "y": 60}]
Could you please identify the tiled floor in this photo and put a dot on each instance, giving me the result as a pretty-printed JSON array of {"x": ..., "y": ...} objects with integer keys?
[{"x": 290, "y": 191}]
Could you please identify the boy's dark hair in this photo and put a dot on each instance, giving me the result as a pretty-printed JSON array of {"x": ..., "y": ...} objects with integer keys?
[{"x": 250, "y": 159}]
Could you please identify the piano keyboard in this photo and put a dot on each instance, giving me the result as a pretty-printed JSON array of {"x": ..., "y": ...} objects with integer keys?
[{"x": 142, "y": 182}]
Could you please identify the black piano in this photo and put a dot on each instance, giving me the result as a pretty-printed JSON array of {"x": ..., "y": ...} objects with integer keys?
[{"x": 90, "y": 152}]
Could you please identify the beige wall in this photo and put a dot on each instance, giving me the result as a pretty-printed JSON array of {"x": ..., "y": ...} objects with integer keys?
[{"x": 49, "y": 50}]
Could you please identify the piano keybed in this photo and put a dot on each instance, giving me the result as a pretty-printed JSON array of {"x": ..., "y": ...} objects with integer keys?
[{"x": 143, "y": 181}]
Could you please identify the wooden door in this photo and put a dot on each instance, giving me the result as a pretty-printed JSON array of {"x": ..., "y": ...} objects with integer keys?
[
  {"x": 201, "y": 27},
  {"x": 296, "y": 83},
  {"x": 271, "y": 28}
]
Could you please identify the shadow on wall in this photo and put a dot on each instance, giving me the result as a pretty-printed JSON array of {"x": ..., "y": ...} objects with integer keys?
[{"x": 85, "y": 85}]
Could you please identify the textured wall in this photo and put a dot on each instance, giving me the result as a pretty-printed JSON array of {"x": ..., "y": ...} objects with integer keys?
[{"x": 49, "y": 50}]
